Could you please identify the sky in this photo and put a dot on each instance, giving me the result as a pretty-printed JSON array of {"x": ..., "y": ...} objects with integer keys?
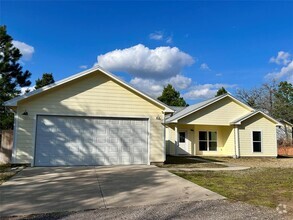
[{"x": 197, "y": 46}]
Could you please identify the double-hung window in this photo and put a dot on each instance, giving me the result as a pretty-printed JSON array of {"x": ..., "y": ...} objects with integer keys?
[
  {"x": 208, "y": 141},
  {"x": 256, "y": 141}
]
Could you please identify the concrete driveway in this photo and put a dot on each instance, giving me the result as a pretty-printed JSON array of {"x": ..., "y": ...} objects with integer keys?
[{"x": 45, "y": 190}]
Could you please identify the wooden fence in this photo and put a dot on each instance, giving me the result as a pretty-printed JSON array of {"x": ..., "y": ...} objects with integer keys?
[{"x": 6, "y": 146}]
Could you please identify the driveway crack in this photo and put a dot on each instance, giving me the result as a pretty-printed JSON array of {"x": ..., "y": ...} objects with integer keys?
[{"x": 100, "y": 188}]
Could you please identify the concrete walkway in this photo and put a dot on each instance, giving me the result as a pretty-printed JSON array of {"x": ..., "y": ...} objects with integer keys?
[{"x": 45, "y": 190}]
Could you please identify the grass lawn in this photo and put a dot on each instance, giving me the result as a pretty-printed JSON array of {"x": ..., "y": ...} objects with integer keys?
[
  {"x": 189, "y": 162},
  {"x": 259, "y": 186},
  {"x": 6, "y": 172}
]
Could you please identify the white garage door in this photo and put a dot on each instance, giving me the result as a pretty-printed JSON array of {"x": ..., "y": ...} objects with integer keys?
[{"x": 64, "y": 141}]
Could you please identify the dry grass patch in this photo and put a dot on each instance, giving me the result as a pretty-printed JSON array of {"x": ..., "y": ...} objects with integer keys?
[
  {"x": 7, "y": 171},
  {"x": 259, "y": 186},
  {"x": 257, "y": 162}
]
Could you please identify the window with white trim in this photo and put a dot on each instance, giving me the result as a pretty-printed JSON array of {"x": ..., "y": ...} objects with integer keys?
[
  {"x": 256, "y": 141},
  {"x": 207, "y": 140}
]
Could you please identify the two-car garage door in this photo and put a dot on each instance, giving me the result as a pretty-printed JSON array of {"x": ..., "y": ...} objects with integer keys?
[{"x": 64, "y": 141}]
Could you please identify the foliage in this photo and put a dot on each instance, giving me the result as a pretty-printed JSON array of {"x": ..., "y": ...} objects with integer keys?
[
  {"x": 221, "y": 91},
  {"x": 271, "y": 98},
  {"x": 171, "y": 97},
  {"x": 12, "y": 77},
  {"x": 46, "y": 79},
  {"x": 284, "y": 101}
]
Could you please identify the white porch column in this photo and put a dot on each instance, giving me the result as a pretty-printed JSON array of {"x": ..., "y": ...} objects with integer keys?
[
  {"x": 236, "y": 136},
  {"x": 176, "y": 139}
]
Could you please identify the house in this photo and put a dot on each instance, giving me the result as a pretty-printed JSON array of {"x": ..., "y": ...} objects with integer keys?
[
  {"x": 94, "y": 118},
  {"x": 221, "y": 126}
]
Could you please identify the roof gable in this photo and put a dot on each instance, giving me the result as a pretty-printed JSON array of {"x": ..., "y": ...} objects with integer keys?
[
  {"x": 13, "y": 102},
  {"x": 245, "y": 117},
  {"x": 197, "y": 107}
]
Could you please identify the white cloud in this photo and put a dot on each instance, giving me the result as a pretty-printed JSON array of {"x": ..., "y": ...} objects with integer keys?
[
  {"x": 179, "y": 81},
  {"x": 219, "y": 74},
  {"x": 205, "y": 91},
  {"x": 286, "y": 73},
  {"x": 169, "y": 40},
  {"x": 283, "y": 58},
  {"x": 24, "y": 90},
  {"x": 149, "y": 86},
  {"x": 155, "y": 87},
  {"x": 26, "y": 50},
  {"x": 204, "y": 66},
  {"x": 158, "y": 35},
  {"x": 142, "y": 62},
  {"x": 83, "y": 66}
]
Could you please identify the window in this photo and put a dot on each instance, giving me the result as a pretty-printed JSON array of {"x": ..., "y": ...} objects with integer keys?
[
  {"x": 181, "y": 137},
  {"x": 256, "y": 141},
  {"x": 208, "y": 141}
]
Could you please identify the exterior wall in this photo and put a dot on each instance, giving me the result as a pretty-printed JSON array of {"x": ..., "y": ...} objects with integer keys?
[
  {"x": 225, "y": 140},
  {"x": 268, "y": 132},
  {"x": 222, "y": 112},
  {"x": 91, "y": 95},
  {"x": 170, "y": 138}
]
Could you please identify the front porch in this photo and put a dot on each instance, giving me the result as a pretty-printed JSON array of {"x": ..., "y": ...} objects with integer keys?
[{"x": 201, "y": 140}]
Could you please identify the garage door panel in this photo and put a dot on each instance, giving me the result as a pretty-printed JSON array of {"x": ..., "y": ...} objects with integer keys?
[{"x": 65, "y": 141}]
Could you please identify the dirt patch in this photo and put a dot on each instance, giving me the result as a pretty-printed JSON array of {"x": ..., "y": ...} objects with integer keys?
[
  {"x": 189, "y": 162},
  {"x": 258, "y": 162}
]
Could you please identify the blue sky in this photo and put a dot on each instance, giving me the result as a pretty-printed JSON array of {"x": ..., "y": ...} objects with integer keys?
[{"x": 196, "y": 46}]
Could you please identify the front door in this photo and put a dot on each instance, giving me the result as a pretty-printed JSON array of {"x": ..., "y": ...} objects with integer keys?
[{"x": 182, "y": 143}]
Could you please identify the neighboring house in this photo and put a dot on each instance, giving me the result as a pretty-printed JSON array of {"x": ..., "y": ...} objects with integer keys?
[
  {"x": 221, "y": 126},
  {"x": 94, "y": 118},
  {"x": 285, "y": 133}
]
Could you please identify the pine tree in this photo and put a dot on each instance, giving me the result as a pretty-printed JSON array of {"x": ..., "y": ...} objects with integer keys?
[
  {"x": 46, "y": 79},
  {"x": 12, "y": 77},
  {"x": 171, "y": 97},
  {"x": 221, "y": 91}
]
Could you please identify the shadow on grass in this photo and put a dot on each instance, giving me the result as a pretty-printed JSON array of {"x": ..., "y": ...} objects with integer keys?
[{"x": 189, "y": 160}]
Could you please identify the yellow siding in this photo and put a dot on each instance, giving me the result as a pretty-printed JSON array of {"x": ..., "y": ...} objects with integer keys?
[
  {"x": 220, "y": 113},
  {"x": 268, "y": 131},
  {"x": 170, "y": 139},
  {"x": 91, "y": 95},
  {"x": 225, "y": 135},
  {"x": 225, "y": 139}
]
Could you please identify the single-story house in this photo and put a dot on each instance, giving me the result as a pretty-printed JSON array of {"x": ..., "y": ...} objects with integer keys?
[{"x": 95, "y": 118}]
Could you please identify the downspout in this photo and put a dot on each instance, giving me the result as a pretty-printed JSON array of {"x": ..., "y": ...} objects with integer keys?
[{"x": 236, "y": 141}]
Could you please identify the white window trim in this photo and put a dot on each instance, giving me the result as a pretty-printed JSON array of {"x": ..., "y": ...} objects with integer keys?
[
  {"x": 208, "y": 146},
  {"x": 261, "y": 142}
]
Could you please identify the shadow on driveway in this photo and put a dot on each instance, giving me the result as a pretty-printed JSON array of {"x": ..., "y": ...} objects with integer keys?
[{"x": 45, "y": 190}]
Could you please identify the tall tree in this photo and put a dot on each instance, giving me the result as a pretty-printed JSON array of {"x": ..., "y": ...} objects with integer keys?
[
  {"x": 283, "y": 106},
  {"x": 46, "y": 79},
  {"x": 221, "y": 91},
  {"x": 272, "y": 98},
  {"x": 12, "y": 77},
  {"x": 171, "y": 97}
]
